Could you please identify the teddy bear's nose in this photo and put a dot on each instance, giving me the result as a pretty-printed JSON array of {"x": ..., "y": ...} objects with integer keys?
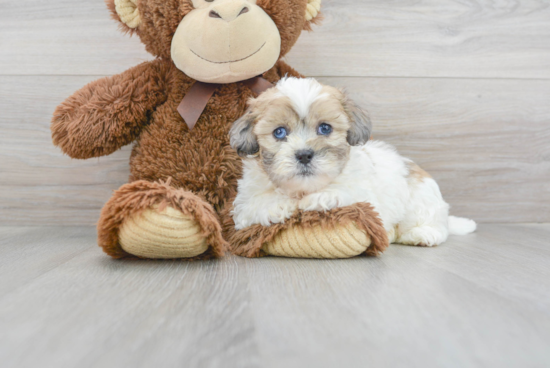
[{"x": 229, "y": 11}]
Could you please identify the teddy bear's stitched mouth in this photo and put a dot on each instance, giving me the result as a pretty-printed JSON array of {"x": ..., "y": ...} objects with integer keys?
[{"x": 232, "y": 61}]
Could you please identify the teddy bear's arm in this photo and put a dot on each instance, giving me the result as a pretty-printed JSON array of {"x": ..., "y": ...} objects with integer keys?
[{"x": 110, "y": 112}]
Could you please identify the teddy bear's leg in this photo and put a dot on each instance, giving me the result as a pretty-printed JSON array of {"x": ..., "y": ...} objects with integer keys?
[
  {"x": 155, "y": 220},
  {"x": 317, "y": 241},
  {"x": 339, "y": 233}
]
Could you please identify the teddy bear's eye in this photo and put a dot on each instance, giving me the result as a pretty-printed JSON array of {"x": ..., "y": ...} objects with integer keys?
[
  {"x": 280, "y": 133},
  {"x": 324, "y": 129}
]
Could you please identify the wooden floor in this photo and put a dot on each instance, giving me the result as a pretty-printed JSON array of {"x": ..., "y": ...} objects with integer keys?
[{"x": 478, "y": 300}]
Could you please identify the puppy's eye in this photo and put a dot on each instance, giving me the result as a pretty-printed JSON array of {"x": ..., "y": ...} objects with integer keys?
[
  {"x": 280, "y": 133},
  {"x": 324, "y": 129}
]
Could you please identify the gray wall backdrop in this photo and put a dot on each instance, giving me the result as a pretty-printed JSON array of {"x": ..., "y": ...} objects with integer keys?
[{"x": 462, "y": 87}]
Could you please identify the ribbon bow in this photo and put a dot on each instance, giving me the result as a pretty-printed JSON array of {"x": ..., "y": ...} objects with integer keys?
[{"x": 196, "y": 99}]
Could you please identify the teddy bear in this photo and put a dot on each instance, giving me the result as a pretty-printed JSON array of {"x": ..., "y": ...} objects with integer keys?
[{"x": 211, "y": 56}]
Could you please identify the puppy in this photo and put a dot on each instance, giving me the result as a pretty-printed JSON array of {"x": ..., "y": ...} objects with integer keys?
[{"x": 306, "y": 146}]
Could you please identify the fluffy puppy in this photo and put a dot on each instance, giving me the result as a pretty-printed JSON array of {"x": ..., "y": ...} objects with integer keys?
[{"x": 306, "y": 146}]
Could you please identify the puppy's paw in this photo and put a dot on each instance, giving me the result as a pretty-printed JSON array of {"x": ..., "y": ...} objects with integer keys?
[
  {"x": 263, "y": 211},
  {"x": 423, "y": 236},
  {"x": 322, "y": 201}
]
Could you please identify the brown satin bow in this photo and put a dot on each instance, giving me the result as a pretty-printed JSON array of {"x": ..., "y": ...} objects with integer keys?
[{"x": 196, "y": 99}]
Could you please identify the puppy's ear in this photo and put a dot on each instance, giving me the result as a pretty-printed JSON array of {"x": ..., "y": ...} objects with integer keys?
[
  {"x": 361, "y": 126},
  {"x": 242, "y": 138}
]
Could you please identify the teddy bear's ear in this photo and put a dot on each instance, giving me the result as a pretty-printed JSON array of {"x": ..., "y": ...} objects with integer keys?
[
  {"x": 313, "y": 13},
  {"x": 126, "y": 11}
]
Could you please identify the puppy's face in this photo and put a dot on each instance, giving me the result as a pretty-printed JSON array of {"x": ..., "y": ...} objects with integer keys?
[{"x": 301, "y": 131}]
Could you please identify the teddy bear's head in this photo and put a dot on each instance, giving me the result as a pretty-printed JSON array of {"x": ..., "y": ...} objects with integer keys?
[{"x": 218, "y": 41}]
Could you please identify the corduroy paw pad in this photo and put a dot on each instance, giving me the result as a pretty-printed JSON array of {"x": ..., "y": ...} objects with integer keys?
[
  {"x": 162, "y": 234},
  {"x": 315, "y": 242}
]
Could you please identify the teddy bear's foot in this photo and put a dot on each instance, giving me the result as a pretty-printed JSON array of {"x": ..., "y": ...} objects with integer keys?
[
  {"x": 155, "y": 220},
  {"x": 162, "y": 234},
  {"x": 343, "y": 241},
  {"x": 339, "y": 233}
]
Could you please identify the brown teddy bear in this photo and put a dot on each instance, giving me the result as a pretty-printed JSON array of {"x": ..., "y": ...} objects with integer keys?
[{"x": 178, "y": 110}]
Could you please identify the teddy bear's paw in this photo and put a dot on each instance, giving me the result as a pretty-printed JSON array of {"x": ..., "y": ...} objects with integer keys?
[
  {"x": 164, "y": 234},
  {"x": 339, "y": 241},
  {"x": 155, "y": 220},
  {"x": 343, "y": 232}
]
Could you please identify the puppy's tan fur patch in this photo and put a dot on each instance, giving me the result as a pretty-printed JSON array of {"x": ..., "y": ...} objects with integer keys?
[
  {"x": 274, "y": 110},
  {"x": 416, "y": 173}
]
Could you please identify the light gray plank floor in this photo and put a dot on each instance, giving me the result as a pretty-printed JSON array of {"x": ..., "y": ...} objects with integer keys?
[{"x": 480, "y": 300}]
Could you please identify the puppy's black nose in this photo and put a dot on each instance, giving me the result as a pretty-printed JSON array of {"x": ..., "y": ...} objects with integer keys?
[{"x": 305, "y": 156}]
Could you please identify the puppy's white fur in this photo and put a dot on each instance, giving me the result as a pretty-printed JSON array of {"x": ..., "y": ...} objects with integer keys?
[
  {"x": 410, "y": 205},
  {"x": 302, "y": 93}
]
